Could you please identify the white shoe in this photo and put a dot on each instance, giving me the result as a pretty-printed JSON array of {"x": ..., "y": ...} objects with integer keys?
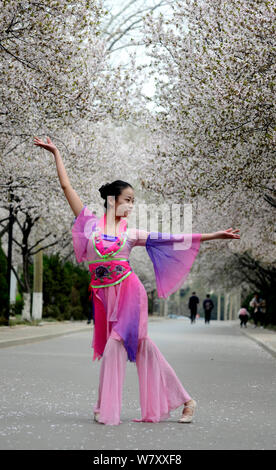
[
  {"x": 187, "y": 418},
  {"x": 96, "y": 417}
]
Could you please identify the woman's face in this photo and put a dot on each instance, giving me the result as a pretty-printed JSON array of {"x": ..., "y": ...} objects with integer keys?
[{"x": 124, "y": 203}]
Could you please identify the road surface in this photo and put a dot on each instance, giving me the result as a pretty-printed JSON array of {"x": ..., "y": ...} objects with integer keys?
[{"x": 48, "y": 389}]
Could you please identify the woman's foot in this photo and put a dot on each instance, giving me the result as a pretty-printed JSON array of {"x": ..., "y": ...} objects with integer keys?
[
  {"x": 96, "y": 417},
  {"x": 188, "y": 411}
]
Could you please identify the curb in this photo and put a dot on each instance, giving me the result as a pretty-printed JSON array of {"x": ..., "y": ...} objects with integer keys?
[
  {"x": 38, "y": 338},
  {"x": 264, "y": 345},
  {"x": 6, "y": 343}
]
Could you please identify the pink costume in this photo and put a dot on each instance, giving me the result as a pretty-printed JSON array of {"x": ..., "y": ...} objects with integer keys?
[
  {"x": 121, "y": 312},
  {"x": 243, "y": 311}
]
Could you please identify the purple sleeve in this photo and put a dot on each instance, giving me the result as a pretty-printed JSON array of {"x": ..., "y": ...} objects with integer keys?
[
  {"x": 172, "y": 257},
  {"x": 82, "y": 228}
]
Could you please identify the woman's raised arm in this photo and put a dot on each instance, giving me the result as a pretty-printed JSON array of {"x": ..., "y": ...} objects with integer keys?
[
  {"x": 220, "y": 235},
  {"x": 70, "y": 194}
]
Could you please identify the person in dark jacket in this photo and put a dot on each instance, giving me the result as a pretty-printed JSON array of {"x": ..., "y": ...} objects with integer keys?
[
  {"x": 193, "y": 301},
  {"x": 208, "y": 306},
  {"x": 91, "y": 315}
]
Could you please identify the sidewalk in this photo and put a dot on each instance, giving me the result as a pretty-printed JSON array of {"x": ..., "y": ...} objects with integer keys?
[
  {"x": 265, "y": 338},
  {"x": 23, "y": 334}
]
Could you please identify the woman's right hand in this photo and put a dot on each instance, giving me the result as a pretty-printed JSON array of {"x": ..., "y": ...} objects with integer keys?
[{"x": 47, "y": 146}]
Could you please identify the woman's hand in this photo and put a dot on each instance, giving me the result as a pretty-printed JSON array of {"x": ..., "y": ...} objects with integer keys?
[
  {"x": 229, "y": 233},
  {"x": 49, "y": 146},
  {"x": 71, "y": 195}
]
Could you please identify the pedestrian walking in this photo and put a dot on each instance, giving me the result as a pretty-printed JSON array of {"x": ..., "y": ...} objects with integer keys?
[
  {"x": 208, "y": 306},
  {"x": 120, "y": 299},
  {"x": 193, "y": 302},
  {"x": 243, "y": 316}
]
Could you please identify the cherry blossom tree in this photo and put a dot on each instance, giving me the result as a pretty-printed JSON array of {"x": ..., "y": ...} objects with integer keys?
[
  {"x": 56, "y": 80},
  {"x": 207, "y": 140},
  {"x": 213, "y": 127},
  {"x": 214, "y": 64},
  {"x": 123, "y": 22}
]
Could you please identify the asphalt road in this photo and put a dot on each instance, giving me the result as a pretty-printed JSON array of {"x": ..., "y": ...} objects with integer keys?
[{"x": 48, "y": 390}]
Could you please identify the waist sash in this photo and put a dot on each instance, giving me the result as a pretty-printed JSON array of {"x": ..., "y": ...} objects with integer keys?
[
  {"x": 126, "y": 323},
  {"x": 108, "y": 272}
]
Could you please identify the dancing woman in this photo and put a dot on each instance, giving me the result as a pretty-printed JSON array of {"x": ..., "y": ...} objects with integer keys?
[{"x": 120, "y": 300}]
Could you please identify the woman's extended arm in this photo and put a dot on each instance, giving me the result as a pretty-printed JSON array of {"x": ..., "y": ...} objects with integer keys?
[
  {"x": 70, "y": 194},
  {"x": 222, "y": 234}
]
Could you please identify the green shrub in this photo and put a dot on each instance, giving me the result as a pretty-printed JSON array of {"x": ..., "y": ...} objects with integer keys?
[
  {"x": 51, "y": 311},
  {"x": 65, "y": 289},
  {"x": 76, "y": 313},
  {"x": 16, "y": 308}
]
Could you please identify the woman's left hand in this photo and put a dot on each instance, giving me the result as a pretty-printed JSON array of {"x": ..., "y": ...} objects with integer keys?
[{"x": 229, "y": 233}]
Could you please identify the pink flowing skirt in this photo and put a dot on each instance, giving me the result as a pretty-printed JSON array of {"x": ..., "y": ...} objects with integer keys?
[{"x": 160, "y": 389}]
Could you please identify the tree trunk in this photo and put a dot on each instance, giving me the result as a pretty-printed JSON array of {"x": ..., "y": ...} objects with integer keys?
[
  {"x": 218, "y": 306},
  {"x": 26, "y": 312},
  {"x": 37, "y": 286}
]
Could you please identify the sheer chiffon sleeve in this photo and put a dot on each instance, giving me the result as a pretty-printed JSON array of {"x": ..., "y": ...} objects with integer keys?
[
  {"x": 172, "y": 257},
  {"x": 83, "y": 226},
  {"x": 138, "y": 237}
]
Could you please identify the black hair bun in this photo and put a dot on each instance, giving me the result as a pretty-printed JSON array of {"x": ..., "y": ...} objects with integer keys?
[{"x": 104, "y": 190}]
